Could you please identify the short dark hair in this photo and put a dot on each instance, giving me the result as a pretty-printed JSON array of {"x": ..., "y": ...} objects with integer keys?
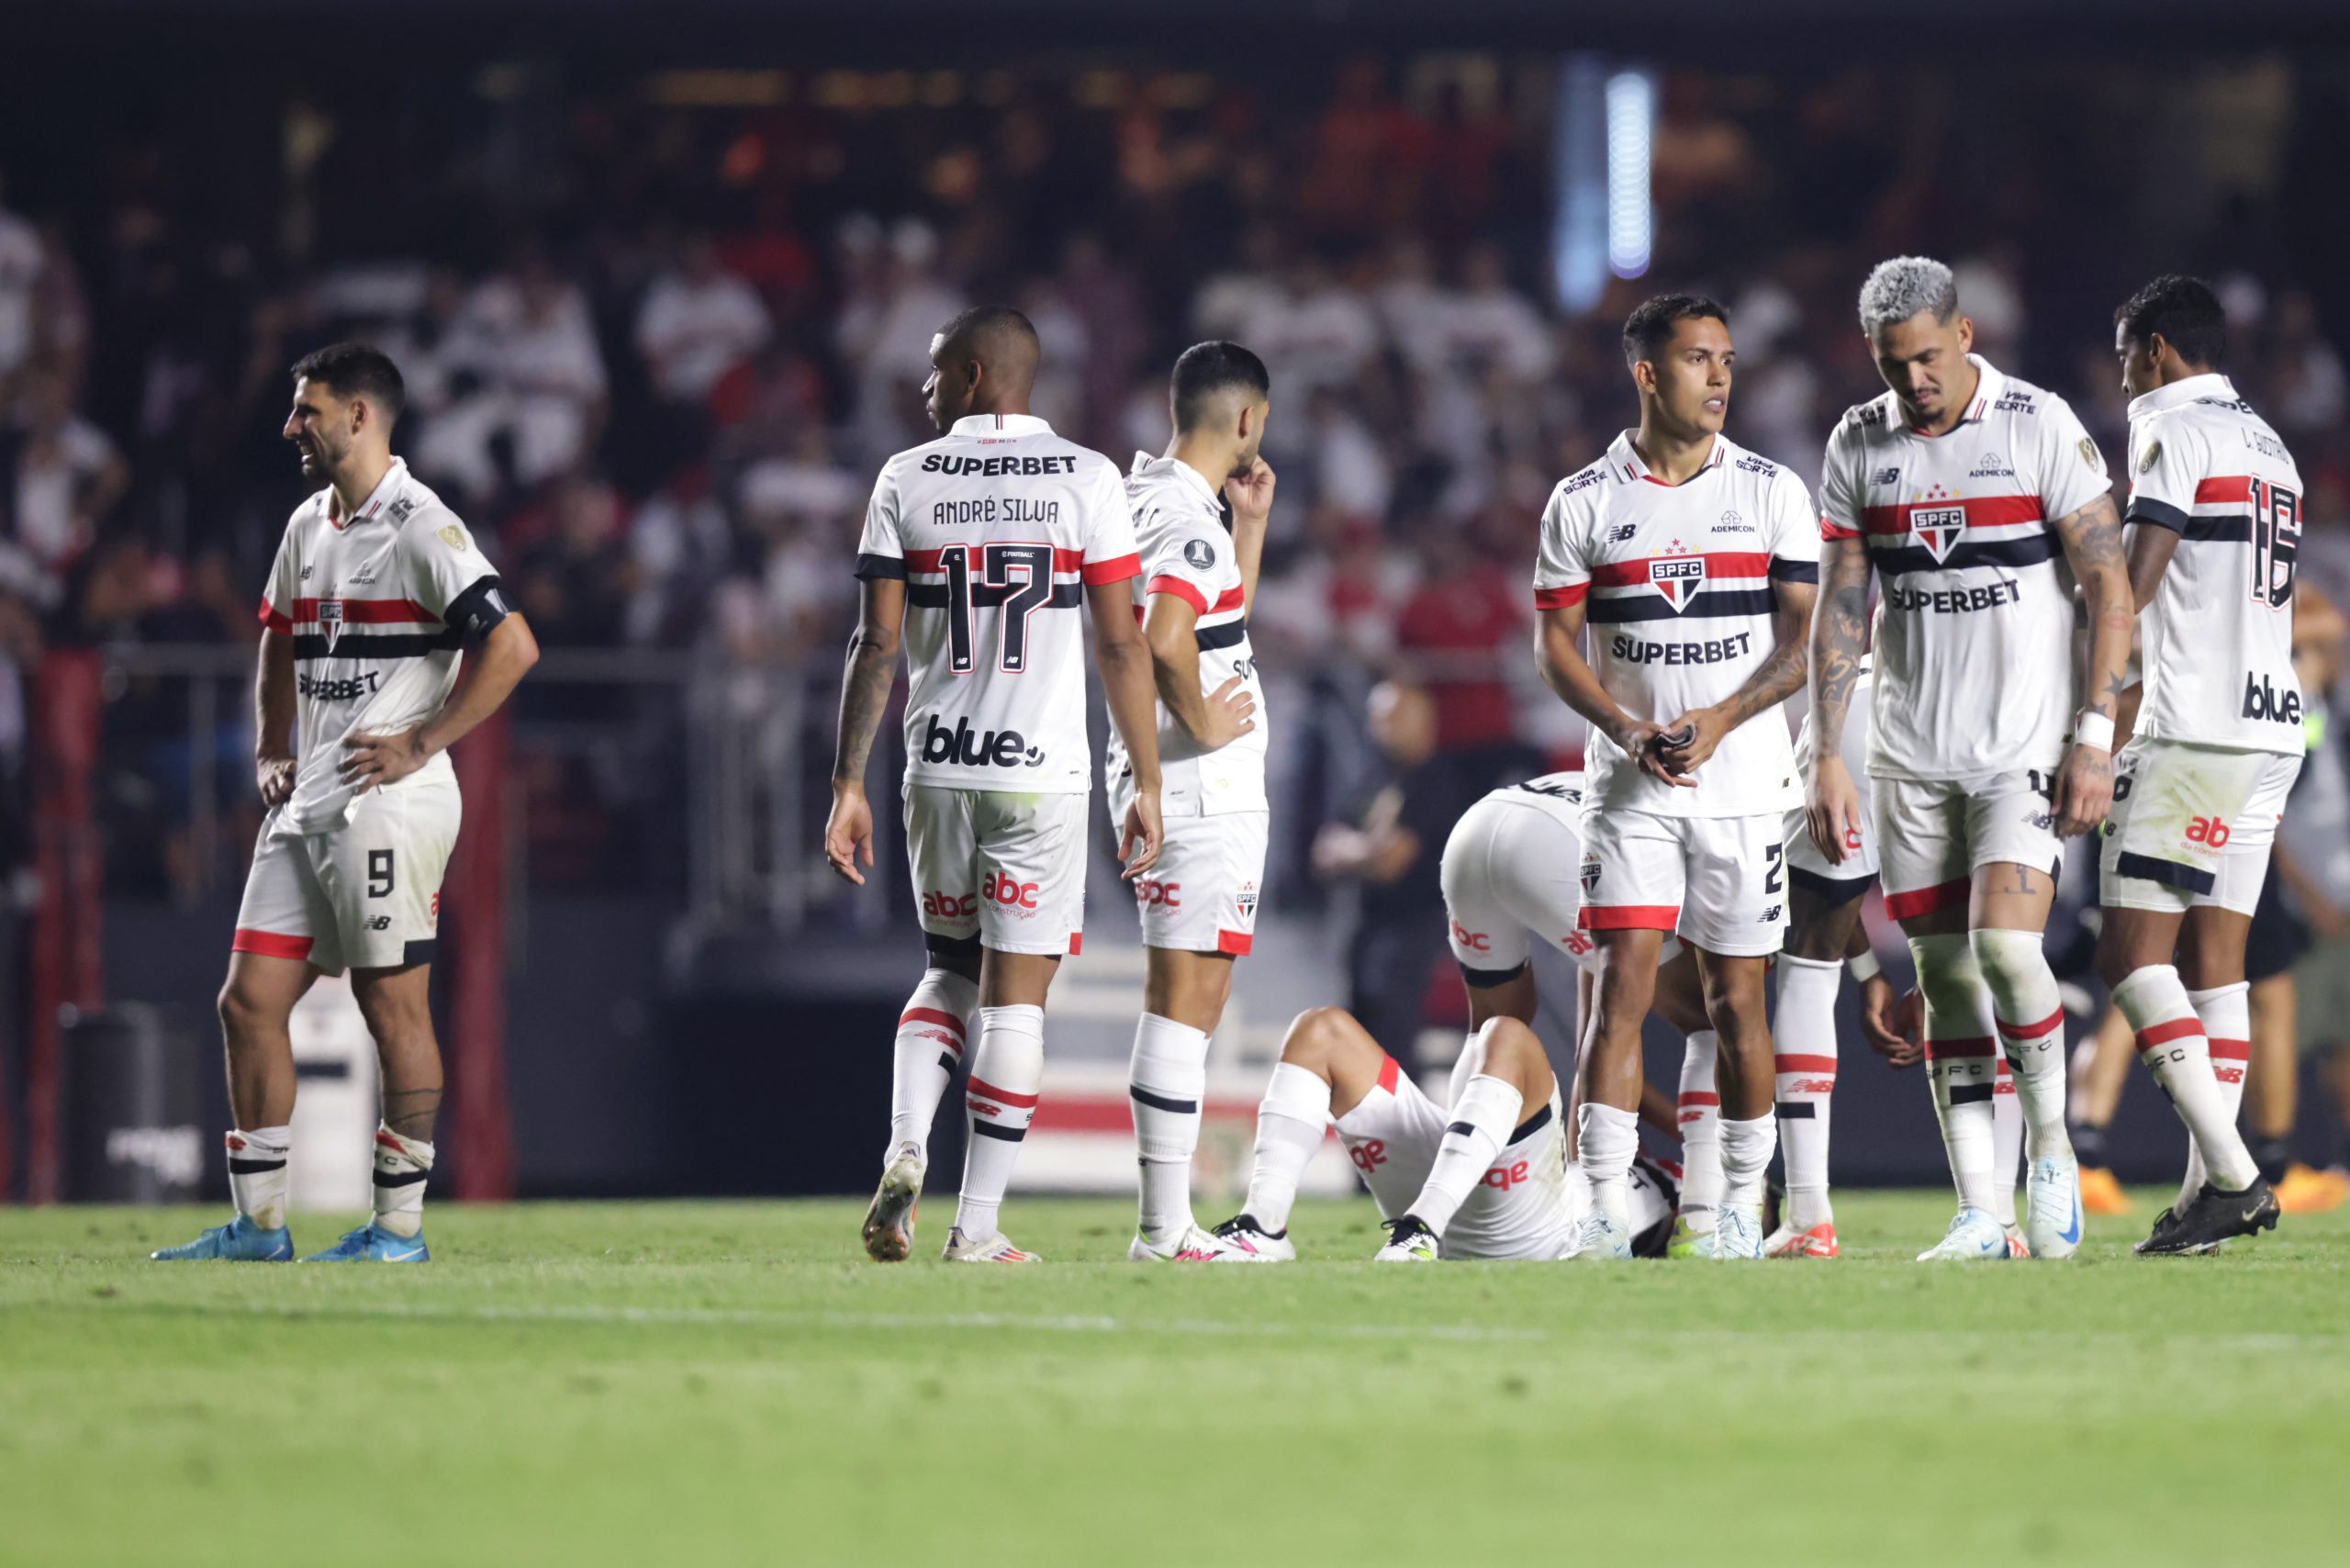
[
  {"x": 1650, "y": 327},
  {"x": 1205, "y": 369},
  {"x": 357, "y": 370},
  {"x": 990, "y": 325},
  {"x": 2187, "y": 314}
]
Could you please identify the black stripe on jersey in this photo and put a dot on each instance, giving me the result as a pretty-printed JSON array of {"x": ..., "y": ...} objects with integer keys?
[
  {"x": 1485, "y": 979},
  {"x": 1711, "y": 603},
  {"x": 1532, "y": 1124},
  {"x": 372, "y": 645},
  {"x": 2169, "y": 873},
  {"x": 1901, "y": 560},
  {"x": 1229, "y": 634},
  {"x": 2234, "y": 530},
  {"x": 885, "y": 568},
  {"x": 989, "y": 596},
  {"x": 2161, "y": 514},
  {"x": 1782, "y": 571}
]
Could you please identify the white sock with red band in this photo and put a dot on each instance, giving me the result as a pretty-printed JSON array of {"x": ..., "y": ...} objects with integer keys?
[
  {"x": 1290, "y": 1124},
  {"x": 1166, "y": 1082},
  {"x": 1961, "y": 1051},
  {"x": 2172, "y": 1045},
  {"x": 2030, "y": 1014},
  {"x": 1805, "y": 1029},
  {"x": 258, "y": 1174},
  {"x": 2226, "y": 1014},
  {"x": 932, "y": 1034},
  {"x": 1699, "y": 1113},
  {"x": 402, "y": 1166},
  {"x": 1007, "y": 1070},
  {"x": 2006, "y": 1144}
]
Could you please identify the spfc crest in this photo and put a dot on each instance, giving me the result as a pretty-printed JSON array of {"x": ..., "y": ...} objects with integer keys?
[
  {"x": 1590, "y": 874},
  {"x": 1938, "y": 528},
  {"x": 1677, "y": 578},
  {"x": 331, "y": 622},
  {"x": 1247, "y": 902}
]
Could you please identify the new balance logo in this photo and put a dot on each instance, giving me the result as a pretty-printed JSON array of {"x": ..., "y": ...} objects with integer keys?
[{"x": 2262, "y": 702}]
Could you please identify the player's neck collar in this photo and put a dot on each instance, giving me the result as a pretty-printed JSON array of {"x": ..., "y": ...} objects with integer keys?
[
  {"x": 2185, "y": 389},
  {"x": 377, "y": 498},
  {"x": 1624, "y": 460},
  {"x": 1000, "y": 425}
]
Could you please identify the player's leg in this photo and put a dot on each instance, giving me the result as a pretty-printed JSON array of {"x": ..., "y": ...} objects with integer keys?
[
  {"x": 1502, "y": 1069},
  {"x": 1328, "y": 1064},
  {"x": 397, "y": 1006},
  {"x": 2100, "y": 1067},
  {"x": 1634, "y": 871},
  {"x": 270, "y": 967},
  {"x": 1823, "y": 916}
]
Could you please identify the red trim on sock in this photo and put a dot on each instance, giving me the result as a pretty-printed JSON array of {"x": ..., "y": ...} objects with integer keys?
[
  {"x": 1628, "y": 917},
  {"x": 2003, "y": 1069},
  {"x": 2230, "y": 1050},
  {"x": 980, "y": 1089},
  {"x": 1389, "y": 1073},
  {"x": 2033, "y": 1031},
  {"x": 1699, "y": 1097},
  {"x": 1804, "y": 1064},
  {"x": 1925, "y": 900},
  {"x": 1236, "y": 943},
  {"x": 1949, "y": 1050},
  {"x": 2161, "y": 1033},
  {"x": 932, "y": 1016},
  {"x": 270, "y": 944}
]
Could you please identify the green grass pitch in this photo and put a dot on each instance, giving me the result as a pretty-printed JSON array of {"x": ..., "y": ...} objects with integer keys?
[{"x": 717, "y": 1383}]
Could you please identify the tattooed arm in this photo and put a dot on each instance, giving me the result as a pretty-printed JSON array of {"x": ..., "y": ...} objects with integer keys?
[
  {"x": 865, "y": 701},
  {"x": 1838, "y": 647},
  {"x": 2092, "y": 541},
  {"x": 1774, "y": 681}
]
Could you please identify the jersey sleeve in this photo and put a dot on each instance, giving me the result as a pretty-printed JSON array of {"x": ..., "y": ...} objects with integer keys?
[
  {"x": 1840, "y": 488},
  {"x": 2165, "y": 471},
  {"x": 278, "y": 598},
  {"x": 1111, "y": 555},
  {"x": 1790, "y": 531},
  {"x": 1561, "y": 565},
  {"x": 879, "y": 554},
  {"x": 449, "y": 577},
  {"x": 2071, "y": 471},
  {"x": 1185, "y": 557}
]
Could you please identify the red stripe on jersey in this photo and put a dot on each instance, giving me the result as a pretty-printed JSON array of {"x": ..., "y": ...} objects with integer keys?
[
  {"x": 1982, "y": 511},
  {"x": 275, "y": 620},
  {"x": 2230, "y": 1050},
  {"x": 1565, "y": 597},
  {"x": 1828, "y": 530},
  {"x": 1961, "y": 1050},
  {"x": 2236, "y": 487},
  {"x": 977, "y": 1088},
  {"x": 928, "y": 560},
  {"x": 1230, "y": 599},
  {"x": 1097, "y": 574},
  {"x": 368, "y": 611},
  {"x": 1389, "y": 1073},
  {"x": 1234, "y": 944},
  {"x": 1628, "y": 917},
  {"x": 931, "y": 1016},
  {"x": 270, "y": 944},
  {"x": 2162, "y": 1034},
  {"x": 1718, "y": 563},
  {"x": 1792, "y": 1063},
  {"x": 1925, "y": 900},
  {"x": 1179, "y": 590}
]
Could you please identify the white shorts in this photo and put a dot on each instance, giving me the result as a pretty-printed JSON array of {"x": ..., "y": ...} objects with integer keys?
[
  {"x": 365, "y": 896},
  {"x": 998, "y": 869},
  {"x": 1841, "y": 882},
  {"x": 2191, "y": 825},
  {"x": 1201, "y": 896},
  {"x": 1509, "y": 880},
  {"x": 1529, "y": 1207},
  {"x": 1719, "y": 882},
  {"x": 1935, "y": 836}
]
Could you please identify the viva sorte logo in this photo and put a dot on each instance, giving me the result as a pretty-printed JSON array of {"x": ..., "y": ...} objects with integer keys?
[{"x": 973, "y": 748}]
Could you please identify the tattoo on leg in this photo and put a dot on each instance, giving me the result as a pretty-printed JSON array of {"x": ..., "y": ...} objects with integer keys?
[{"x": 410, "y": 1112}]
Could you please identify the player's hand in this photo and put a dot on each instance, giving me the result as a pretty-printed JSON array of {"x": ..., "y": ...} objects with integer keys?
[
  {"x": 1140, "y": 836},
  {"x": 848, "y": 833},
  {"x": 276, "y": 777},
  {"x": 1232, "y": 710},
  {"x": 1251, "y": 495},
  {"x": 2084, "y": 791},
  {"x": 1832, "y": 811},
  {"x": 1639, "y": 738},
  {"x": 369, "y": 761},
  {"x": 1899, "y": 1038},
  {"x": 1705, "y": 730}
]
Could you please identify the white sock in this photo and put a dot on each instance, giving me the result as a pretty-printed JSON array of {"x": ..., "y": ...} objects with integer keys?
[
  {"x": 1804, "y": 1028},
  {"x": 2171, "y": 1044},
  {"x": 1000, "y": 1098},
  {"x": 1605, "y": 1140},
  {"x": 2006, "y": 1144},
  {"x": 1166, "y": 1083},
  {"x": 257, "y": 1174},
  {"x": 1481, "y": 1120},
  {"x": 1960, "y": 1052},
  {"x": 2226, "y": 1014},
  {"x": 402, "y": 1166},
  {"x": 931, "y": 1033},
  {"x": 1290, "y": 1123},
  {"x": 1746, "y": 1155},
  {"x": 1700, "y": 1114},
  {"x": 2031, "y": 1014}
]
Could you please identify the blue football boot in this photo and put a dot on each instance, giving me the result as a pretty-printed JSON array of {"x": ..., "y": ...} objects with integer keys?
[
  {"x": 239, "y": 1242},
  {"x": 370, "y": 1245}
]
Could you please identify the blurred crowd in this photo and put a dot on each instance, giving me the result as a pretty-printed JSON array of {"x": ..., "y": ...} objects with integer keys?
[{"x": 657, "y": 341}]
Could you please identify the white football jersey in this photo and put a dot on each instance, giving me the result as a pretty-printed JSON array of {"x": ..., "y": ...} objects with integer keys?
[
  {"x": 1677, "y": 580},
  {"x": 380, "y": 608},
  {"x": 1974, "y": 640},
  {"x": 2218, "y": 637},
  {"x": 996, "y": 529},
  {"x": 1179, "y": 523}
]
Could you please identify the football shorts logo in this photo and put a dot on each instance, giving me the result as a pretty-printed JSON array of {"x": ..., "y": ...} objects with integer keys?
[
  {"x": 1246, "y": 901},
  {"x": 331, "y": 622},
  {"x": 1590, "y": 873},
  {"x": 1938, "y": 528},
  {"x": 1677, "y": 578},
  {"x": 1199, "y": 554}
]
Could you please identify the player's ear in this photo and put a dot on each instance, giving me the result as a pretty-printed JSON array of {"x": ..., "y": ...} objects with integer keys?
[{"x": 1967, "y": 334}]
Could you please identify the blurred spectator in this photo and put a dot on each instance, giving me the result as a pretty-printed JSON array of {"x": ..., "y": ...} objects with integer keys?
[
  {"x": 528, "y": 346},
  {"x": 895, "y": 305},
  {"x": 63, "y": 476},
  {"x": 698, "y": 321},
  {"x": 21, "y": 257}
]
